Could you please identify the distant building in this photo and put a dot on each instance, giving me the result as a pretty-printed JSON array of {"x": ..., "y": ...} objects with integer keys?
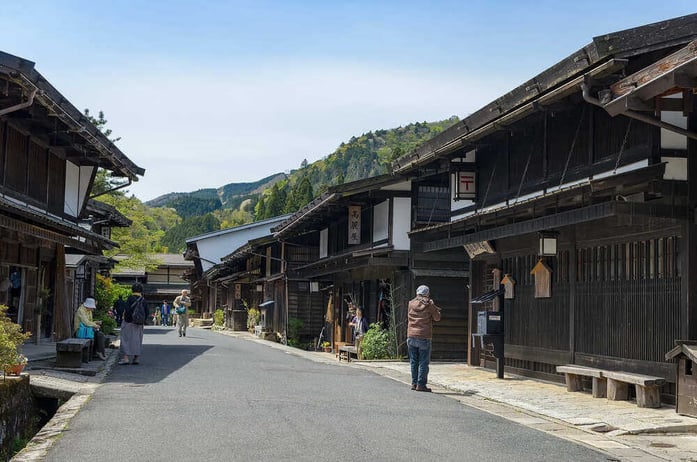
[{"x": 163, "y": 283}]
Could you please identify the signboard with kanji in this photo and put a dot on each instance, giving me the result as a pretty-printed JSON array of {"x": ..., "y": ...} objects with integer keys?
[
  {"x": 354, "y": 224},
  {"x": 238, "y": 291},
  {"x": 466, "y": 187}
]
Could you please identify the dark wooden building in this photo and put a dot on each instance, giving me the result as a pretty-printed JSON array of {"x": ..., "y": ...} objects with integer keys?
[
  {"x": 209, "y": 278},
  {"x": 359, "y": 232},
  {"x": 261, "y": 275},
  {"x": 589, "y": 168},
  {"x": 49, "y": 156}
]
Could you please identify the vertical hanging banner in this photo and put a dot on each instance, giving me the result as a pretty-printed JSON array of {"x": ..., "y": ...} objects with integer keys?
[
  {"x": 354, "y": 224},
  {"x": 238, "y": 291}
]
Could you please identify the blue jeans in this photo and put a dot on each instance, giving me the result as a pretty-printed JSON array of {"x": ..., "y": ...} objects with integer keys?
[
  {"x": 165, "y": 320},
  {"x": 419, "y": 357}
]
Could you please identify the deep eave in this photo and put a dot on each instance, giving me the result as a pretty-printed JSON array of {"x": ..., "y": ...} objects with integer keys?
[
  {"x": 331, "y": 198},
  {"x": 41, "y": 224},
  {"x": 22, "y": 73},
  {"x": 604, "y": 51}
]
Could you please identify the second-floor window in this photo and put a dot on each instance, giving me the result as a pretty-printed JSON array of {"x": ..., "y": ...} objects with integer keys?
[{"x": 432, "y": 203}]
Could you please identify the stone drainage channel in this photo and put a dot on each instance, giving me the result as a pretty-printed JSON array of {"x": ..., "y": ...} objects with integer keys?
[{"x": 55, "y": 398}]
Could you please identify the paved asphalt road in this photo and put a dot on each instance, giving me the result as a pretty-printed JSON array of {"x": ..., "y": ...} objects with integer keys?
[{"x": 210, "y": 397}]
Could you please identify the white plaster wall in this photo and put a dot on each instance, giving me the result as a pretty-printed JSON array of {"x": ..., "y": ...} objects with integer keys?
[
  {"x": 676, "y": 168},
  {"x": 71, "y": 205},
  {"x": 324, "y": 243},
  {"x": 212, "y": 248},
  {"x": 381, "y": 221},
  {"x": 85, "y": 177},
  {"x": 401, "y": 223}
]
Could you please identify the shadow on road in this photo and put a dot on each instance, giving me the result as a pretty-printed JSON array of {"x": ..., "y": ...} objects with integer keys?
[{"x": 158, "y": 360}]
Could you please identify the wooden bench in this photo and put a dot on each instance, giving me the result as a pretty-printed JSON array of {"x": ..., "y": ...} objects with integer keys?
[
  {"x": 72, "y": 352},
  {"x": 574, "y": 379},
  {"x": 345, "y": 351},
  {"x": 338, "y": 345},
  {"x": 647, "y": 387},
  {"x": 615, "y": 384}
]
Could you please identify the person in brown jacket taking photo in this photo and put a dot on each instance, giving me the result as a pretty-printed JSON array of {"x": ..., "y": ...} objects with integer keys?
[{"x": 421, "y": 313}]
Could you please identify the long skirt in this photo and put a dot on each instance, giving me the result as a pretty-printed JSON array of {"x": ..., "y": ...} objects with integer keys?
[{"x": 131, "y": 338}]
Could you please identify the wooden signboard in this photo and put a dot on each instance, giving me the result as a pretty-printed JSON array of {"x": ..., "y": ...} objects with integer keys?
[
  {"x": 354, "y": 224},
  {"x": 543, "y": 280},
  {"x": 466, "y": 185}
]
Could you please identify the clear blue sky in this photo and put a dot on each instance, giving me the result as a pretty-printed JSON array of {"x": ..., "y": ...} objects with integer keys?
[{"x": 211, "y": 92}]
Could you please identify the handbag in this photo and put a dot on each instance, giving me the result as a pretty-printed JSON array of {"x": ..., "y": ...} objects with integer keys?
[
  {"x": 84, "y": 331},
  {"x": 181, "y": 309}
]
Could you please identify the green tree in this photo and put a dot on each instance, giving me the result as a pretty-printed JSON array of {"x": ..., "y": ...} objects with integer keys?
[
  {"x": 143, "y": 238},
  {"x": 104, "y": 181},
  {"x": 260, "y": 209},
  {"x": 175, "y": 237},
  {"x": 229, "y": 218},
  {"x": 276, "y": 201}
]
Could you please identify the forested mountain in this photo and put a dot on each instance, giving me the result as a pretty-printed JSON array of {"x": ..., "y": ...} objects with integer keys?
[
  {"x": 206, "y": 200},
  {"x": 234, "y": 204},
  {"x": 361, "y": 157}
]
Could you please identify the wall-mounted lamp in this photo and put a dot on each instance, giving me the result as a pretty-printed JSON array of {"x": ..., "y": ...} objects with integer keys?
[
  {"x": 314, "y": 286},
  {"x": 548, "y": 243},
  {"x": 260, "y": 288}
]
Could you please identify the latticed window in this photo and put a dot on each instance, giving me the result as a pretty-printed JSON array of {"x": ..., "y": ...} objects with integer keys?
[{"x": 646, "y": 259}]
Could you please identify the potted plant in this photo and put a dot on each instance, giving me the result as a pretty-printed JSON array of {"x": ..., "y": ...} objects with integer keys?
[
  {"x": 11, "y": 338},
  {"x": 327, "y": 347},
  {"x": 20, "y": 362}
]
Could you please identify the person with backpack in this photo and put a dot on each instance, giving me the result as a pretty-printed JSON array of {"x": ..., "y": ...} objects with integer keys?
[
  {"x": 181, "y": 308},
  {"x": 134, "y": 317}
]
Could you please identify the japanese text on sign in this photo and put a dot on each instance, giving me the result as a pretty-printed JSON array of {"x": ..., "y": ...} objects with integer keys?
[{"x": 354, "y": 224}]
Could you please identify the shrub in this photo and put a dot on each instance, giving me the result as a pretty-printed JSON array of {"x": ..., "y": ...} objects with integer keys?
[
  {"x": 11, "y": 337},
  {"x": 108, "y": 324},
  {"x": 378, "y": 343},
  {"x": 294, "y": 326},
  {"x": 253, "y": 317},
  {"x": 218, "y": 317}
]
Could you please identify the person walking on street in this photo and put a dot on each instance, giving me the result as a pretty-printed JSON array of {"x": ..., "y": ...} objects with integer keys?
[
  {"x": 84, "y": 316},
  {"x": 421, "y": 314},
  {"x": 131, "y": 331},
  {"x": 164, "y": 312},
  {"x": 181, "y": 307},
  {"x": 119, "y": 308}
]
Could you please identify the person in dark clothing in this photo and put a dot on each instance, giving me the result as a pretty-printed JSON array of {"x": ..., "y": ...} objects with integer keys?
[
  {"x": 132, "y": 333},
  {"x": 359, "y": 324},
  {"x": 119, "y": 308}
]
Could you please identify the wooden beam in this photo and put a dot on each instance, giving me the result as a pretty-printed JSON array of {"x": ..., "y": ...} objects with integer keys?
[{"x": 658, "y": 69}]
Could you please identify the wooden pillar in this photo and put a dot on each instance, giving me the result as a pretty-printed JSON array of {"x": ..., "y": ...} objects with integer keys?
[
  {"x": 62, "y": 310},
  {"x": 689, "y": 241},
  {"x": 572, "y": 296}
]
